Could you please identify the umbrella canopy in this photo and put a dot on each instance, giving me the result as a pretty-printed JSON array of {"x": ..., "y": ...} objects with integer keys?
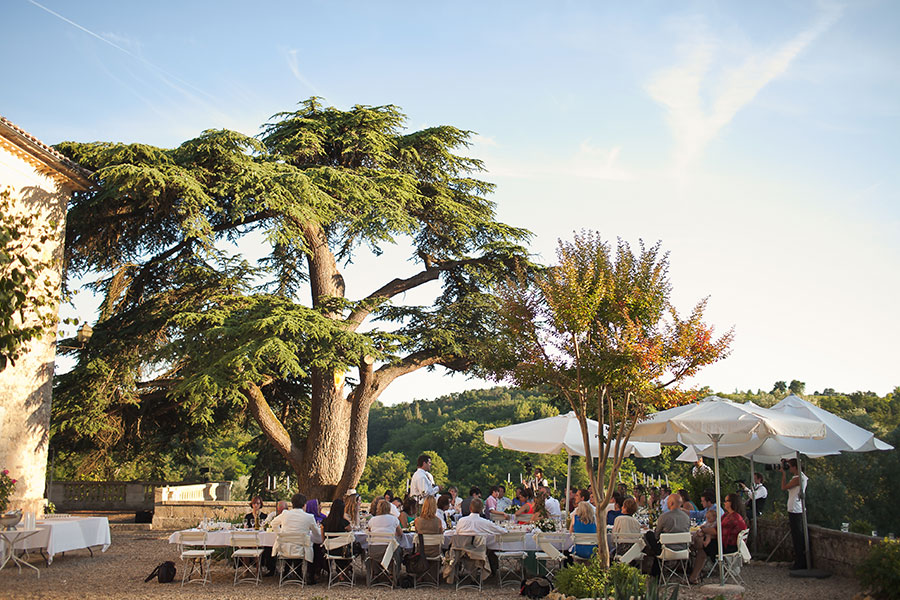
[
  {"x": 840, "y": 435},
  {"x": 550, "y": 435},
  {"x": 730, "y": 422},
  {"x": 725, "y": 424}
]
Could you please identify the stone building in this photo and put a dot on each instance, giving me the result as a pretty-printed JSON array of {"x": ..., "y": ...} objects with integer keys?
[{"x": 39, "y": 181}]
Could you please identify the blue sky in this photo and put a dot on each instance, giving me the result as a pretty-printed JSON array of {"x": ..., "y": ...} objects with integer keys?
[{"x": 758, "y": 141}]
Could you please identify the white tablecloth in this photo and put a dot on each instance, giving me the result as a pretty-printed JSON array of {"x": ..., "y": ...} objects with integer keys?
[{"x": 71, "y": 533}]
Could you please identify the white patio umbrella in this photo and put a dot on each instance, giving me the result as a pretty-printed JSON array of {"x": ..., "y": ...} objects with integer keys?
[
  {"x": 722, "y": 421},
  {"x": 840, "y": 436},
  {"x": 562, "y": 432}
]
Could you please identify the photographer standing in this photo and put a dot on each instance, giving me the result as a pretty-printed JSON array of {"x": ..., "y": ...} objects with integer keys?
[{"x": 795, "y": 508}]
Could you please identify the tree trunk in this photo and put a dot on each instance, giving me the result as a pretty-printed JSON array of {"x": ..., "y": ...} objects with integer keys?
[
  {"x": 277, "y": 435},
  {"x": 327, "y": 442}
]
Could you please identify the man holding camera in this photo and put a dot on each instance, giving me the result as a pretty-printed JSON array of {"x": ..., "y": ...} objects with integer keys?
[{"x": 795, "y": 486}]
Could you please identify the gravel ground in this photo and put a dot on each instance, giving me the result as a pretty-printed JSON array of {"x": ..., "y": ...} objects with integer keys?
[{"x": 120, "y": 572}]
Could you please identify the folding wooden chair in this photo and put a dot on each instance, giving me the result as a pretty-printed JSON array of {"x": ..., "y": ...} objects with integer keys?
[
  {"x": 293, "y": 549},
  {"x": 432, "y": 548},
  {"x": 247, "y": 555},
  {"x": 550, "y": 555},
  {"x": 339, "y": 554},
  {"x": 670, "y": 560},
  {"x": 511, "y": 558},
  {"x": 194, "y": 560},
  {"x": 381, "y": 564}
]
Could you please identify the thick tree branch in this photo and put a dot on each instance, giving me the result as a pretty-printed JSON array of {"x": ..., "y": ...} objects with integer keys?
[{"x": 272, "y": 427}]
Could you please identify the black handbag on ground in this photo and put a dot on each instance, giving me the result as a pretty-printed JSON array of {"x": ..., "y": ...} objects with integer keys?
[
  {"x": 164, "y": 572},
  {"x": 417, "y": 563}
]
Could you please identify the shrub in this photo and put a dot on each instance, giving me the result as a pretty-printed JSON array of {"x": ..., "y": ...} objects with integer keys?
[
  {"x": 591, "y": 580},
  {"x": 860, "y": 526},
  {"x": 880, "y": 571}
]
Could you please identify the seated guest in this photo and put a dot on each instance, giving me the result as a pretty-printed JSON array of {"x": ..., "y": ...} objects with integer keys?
[
  {"x": 297, "y": 520},
  {"x": 492, "y": 502},
  {"x": 336, "y": 522},
  {"x": 584, "y": 521},
  {"x": 393, "y": 503},
  {"x": 626, "y": 523},
  {"x": 526, "y": 498},
  {"x": 428, "y": 521},
  {"x": 616, "y": 509},
  {"x": 708, "y": 501},
  {"x": 552, "y": 504},
  {"x": 312, "y": 507},
  {"x": 732, "y": 524},
  {"x": 351, "y": 507},
  {"x": 475, "y": 524},
  {"x": 540, "y": 507},
  {"x": 502, "y": 501},
  {"x": 408, "y": 512},
  {"x": 255, "y": 518},
  {"x": 384, "y": 521},
  {"x": 640, "y": 496},
  {"x": 444, "y": 512},
  {"x": 280, "y": 507},
  {"x": 686, "y": 504},
  {"x": 672, "y": 521},
  {"x": 474, "y": 492},
  {"x": 455, "y": 500}
]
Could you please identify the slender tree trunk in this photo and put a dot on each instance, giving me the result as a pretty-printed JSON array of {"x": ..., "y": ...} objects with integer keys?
[{"x": 277, "y": 435}]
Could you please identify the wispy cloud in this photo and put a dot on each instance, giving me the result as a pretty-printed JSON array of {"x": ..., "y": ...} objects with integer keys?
[
  {"x": 729, "y": 88},
  {"x": 585, "y": 162},
  {"x": 293, "y": 60},
  {"x": 119, "y": 42}
]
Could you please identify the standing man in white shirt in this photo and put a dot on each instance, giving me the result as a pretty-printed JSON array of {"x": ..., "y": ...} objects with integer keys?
[
  {"x": 795, "y": 486},
  {"x": 422, "y": 484}
]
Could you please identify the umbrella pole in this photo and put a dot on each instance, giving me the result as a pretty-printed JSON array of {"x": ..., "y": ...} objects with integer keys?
[
  {"x": 568, "y": 485},
  {"x": 715, "y": 439},
  {"x": 753, "y": 500},
  {"x": 803, "y": 509}
]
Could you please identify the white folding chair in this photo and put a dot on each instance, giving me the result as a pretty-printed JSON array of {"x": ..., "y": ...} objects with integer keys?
[
  {"x": 432, "y": 548},
  {"x": 194, "y": 560},
  {"x": 583, "y": 539},
  {"x": 247, "y": 554},
  {"x": 293, "y": 549},
  {"x": 733, "y": 561},
  {"x": 670, "y": 559},
  {"x": 339, "y": 554},
  {"x": 381, "y": 563},
  {"x": 549, "y": 554},
  {"x": 511, "y": 558},
  {"x": 624, "y": 541},
  {"x": 468, "y": 573}
]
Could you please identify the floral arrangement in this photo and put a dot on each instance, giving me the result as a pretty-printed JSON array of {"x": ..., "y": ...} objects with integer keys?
[
  {"x": 546, "y": 525},
  {"x": 7, "y": 485},
  {"x": 511, "y": 509}
]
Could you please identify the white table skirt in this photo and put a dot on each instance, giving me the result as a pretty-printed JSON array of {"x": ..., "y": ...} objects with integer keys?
[
  {"x": 222, "y": 538},
  {"x": 71, "y": 533}
]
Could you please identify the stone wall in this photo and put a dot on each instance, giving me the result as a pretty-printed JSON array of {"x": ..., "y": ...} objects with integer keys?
[
  {"x": 173, "y": 515},
  {"x": 833, "y": 551}
]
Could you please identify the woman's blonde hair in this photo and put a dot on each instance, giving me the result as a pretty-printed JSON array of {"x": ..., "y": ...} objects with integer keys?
[
  {"x": 351, "y": 508},
  {"x": 585, "y": 512},
  {"x": 383, "y": 507},
  {"x": 429, "y": 508}
]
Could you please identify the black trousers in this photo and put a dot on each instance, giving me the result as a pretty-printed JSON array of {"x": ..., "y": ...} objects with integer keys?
[{"x": 796, "y": 523}]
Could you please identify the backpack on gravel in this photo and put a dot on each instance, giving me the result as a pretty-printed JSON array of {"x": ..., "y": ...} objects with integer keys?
[{"x": 164, "y": 572}]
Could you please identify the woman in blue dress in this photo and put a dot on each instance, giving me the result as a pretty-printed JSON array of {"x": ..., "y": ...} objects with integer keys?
[{"x": 584, "y": 521}]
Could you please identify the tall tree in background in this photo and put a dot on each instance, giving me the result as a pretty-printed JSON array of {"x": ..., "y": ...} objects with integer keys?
[
  {"x": 600, "y": 328},
  {"x": 208, "y": 336}
]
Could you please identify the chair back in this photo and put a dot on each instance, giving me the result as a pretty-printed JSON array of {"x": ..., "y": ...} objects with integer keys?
[
  {"x": 293, "y": 545},
  {"x": 499, "y": 518},
  {"x": 245, "y": 539},
  {"x": 626, "y": 537},
  {"x": 431, "y": 539},
  {"x": 511, "y": 542},
  {"x": 550, "y": 543},
  {"x": 192, "y": 538},
  {"x": 380, "y": 538},
  {"x": 742, "y": 545},
  {"x": 667, "y": 540},
  {"x": 585, "y": 539},
  {"x": 339, "y": 539}
]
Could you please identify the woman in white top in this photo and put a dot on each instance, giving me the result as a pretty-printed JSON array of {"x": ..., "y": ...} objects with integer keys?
[
  {"x": 384, "y": 521},
  {"x": 626, "y": 523}
]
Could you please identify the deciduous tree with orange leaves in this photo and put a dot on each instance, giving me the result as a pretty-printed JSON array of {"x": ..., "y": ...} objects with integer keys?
[{"x": 600, "y": 328}]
